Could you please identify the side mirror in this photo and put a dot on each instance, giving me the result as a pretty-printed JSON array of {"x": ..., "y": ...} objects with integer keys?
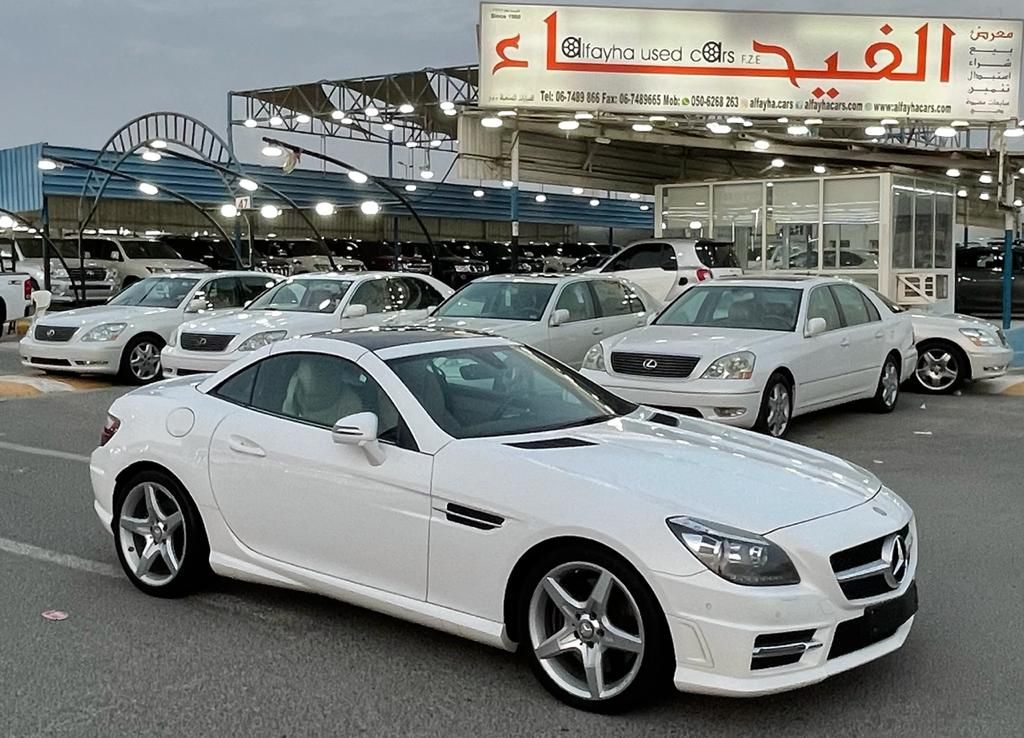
[
  {"x": 559, "y": 317},
  {"x": 195, "y": 305},
  {"x": 816, "y": 326},
  {"x": 115, "y": 256},
  {"x": 354, "y": 311},
  {"x": 360, "y": 430},
  {"x": 41, "y": 302}
]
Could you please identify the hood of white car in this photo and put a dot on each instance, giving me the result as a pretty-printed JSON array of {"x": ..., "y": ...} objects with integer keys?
[
  {"x": 251, "y": 322},
  {"x": 952, "y": 320},
  {"x": 102, "y": 314},
  {"x": 702, "y": 470},
  {"x": 690, "y": 340},
  {"x": 507, "y": 328},
  {"x": 172, "y": 265}
]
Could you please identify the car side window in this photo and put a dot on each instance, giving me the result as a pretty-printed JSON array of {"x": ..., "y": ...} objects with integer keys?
[
  {"x": 611, "y": 297},
  {"x": 374, "y": 294},
  {"x": 852, "y": 305},
  {"x": 238, "y": 388},
  {"x": 409, "y": 293},
  {"x": 220, "y": 293},
  {"x": 821, "y": 304},
  {"x": 320, "y": 390},
  {"x": 253, "y": 287},
  {"x": 579, "y": 301},
  {"x": 621, "y": 261}
]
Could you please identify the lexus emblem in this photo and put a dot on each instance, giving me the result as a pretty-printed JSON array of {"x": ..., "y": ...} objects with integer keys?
[
  {"x": 650, "y": 365},
  {"x": 202, "y": 341},
  {"x": 897, "y": 556},
  {"x": 50, "y": 333}
]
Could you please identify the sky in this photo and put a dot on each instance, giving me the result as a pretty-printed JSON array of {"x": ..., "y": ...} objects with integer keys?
[{"x": 73, "y": 71}]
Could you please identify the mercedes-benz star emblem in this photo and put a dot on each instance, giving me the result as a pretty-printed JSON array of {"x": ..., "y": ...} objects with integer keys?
[
  {"x": 897, "y": 556},
  {"x": 650, "y": 364},
  {"x": 50, "y": 333}
]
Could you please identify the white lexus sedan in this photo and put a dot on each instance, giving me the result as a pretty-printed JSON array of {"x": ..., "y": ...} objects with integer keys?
[
  {"x": 757, "y": 352},
  {"x": 562, "y": 315},
  {"x": 125, "y": 336},
  {"x": 471, "y": 484},
  {"x": 305, "y": 303}
]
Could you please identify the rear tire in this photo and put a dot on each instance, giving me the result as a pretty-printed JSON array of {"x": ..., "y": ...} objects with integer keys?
[
  {"x": 159, "y": 536},
  {"x": 942, "y": 368},
  {"x": 593, "y": 631},
  {"x": 888, "y": 392},
  {"x": 776, "y": 413},
  {"x": 140, "y": 360}
]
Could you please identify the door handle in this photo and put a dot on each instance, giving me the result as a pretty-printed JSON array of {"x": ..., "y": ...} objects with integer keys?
[
  {"x": 845, "y": 343},
  {"x": 245, "y": 446},
  {"x": 880, "y": 334},
  {"x": 597, "y": 331}
]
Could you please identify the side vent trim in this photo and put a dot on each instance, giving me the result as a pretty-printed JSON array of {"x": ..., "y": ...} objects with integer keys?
[
  {"x": 478, "y": 519},
  {"x": 546, "y": 443}
]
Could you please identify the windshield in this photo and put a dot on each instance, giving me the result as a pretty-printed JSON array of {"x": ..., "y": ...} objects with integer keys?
[
  {"x": 417, "y": 250},
  {"x": 304, "y": 248},
  {"x": 164, "y": 292},
  {"x": 303, "y": 296},
  {"x": 68, "y": 248},
  {"x": 148, "y": 250},
  {"x": 721, "y": 255},
  {"x": 501, "y": 300},
  {"x": 503, "y": 390},
  {"x": 735, "y": 306}
]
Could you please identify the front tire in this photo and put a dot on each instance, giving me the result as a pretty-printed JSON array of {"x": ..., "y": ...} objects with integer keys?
[
  {"x": 941, "y": 368},
  {"x": 159, "y": 535},
  {"x": 593, "y": 632},
  {"x": 140, "y": 360},
  {"x": 776, "y": 411},
  {"x": 888, "y": 391}
]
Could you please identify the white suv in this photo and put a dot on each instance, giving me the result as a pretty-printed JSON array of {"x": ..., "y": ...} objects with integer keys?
[
  {"x": 28, "y": 258},
  {"x": 665, "y": 266},
  {"x": 134, "y": 259}
]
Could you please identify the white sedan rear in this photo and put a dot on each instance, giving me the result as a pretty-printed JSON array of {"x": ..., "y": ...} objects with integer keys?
[{"x": 757, "y": 352}]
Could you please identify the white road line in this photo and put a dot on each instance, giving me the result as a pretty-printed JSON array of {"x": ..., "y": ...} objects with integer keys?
[
  {"x": 43, "y": 452},
  {"x": 61, "y": 559}
]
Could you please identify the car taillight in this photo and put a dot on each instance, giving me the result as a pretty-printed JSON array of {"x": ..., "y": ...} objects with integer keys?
[
  {"x": 109, "y": 429},
  {"x": 703, "y": 274},
  {"x": 27, "y": 287}
]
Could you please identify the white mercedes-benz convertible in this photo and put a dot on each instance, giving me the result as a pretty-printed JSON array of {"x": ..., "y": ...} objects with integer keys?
[{"x": 471, "y": 484}]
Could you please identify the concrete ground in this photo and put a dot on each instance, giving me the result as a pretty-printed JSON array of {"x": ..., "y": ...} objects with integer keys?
[{"x": 249, "y": 660}]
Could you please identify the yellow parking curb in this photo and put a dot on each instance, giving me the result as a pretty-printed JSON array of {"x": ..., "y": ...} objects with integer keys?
[
  {"x": 32, "y": 385},
  {"x": 1014, "y": 390},
  {"x": 21, "y": 326},
  {"x": 17, "y": 389}
]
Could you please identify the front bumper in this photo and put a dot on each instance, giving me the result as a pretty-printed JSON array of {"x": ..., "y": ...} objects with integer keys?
[
  {"x": 71, "y": 356},
  {"x": 731, "y": 402},
  {"x": 988, "y": 363},
  {"x": 716, "y": 625},
  {"x": 178, "y": 363}
]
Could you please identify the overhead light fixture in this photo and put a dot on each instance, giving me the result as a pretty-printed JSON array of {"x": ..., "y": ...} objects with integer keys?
[
  {"x": 541, "y": 197},
  {"x": 985, "y": 178},
  {"x": 149, "y": 155},
  {"x": 820, "y": 169},
  {"x": 276, "y": 120},
  {"x": 718, "y": 128},
  {"x": 875, "y": 131},
  {"x": 447, "y": 105},
  {"x": 568, "y": 125},
  {"x": 634, "y": 195},
  {"x": 577, "y": 190},
  {"x": 410, "y": 188},
  {"x": 412, "y": 144},
  {"x": 358, "y": 177},
  {"x": 507, "y": 183},
  {"x": 783, "y": 119},
  {"x": 491, "y": 122},
  {"x": 158, "y": 143},
  {"x": 369, "y": 207},
  {"x": 1016, "y": 132},
  {"x": 657, "y": 119},
  {"x": 761, "y": 144},
  {"x": 270, "y": 211},
  {"x": 388, "y": 127},
  {"x": 748, "y": 124},
  {"x": 478, "y": 193},
  {"x": 426, "y": 174},
  {"x": 643, "y": 127},
  {"x": 778, "y": 163},
  {"x": 945, "y": 132},
  {"x": 371, "y": 111},
  {"x": 1018, "y": 203},
  {"x": 248, "y": 185},
  {"x": 645, "y": 208},
  {"x": 229, "y": 210},
  {"x": 47, "y": 165},
  {"x": 695, "y": 225},
  {"x": 960, "y": 124},
  {"x": 250, "y": 123},
  {"x": 7, "y": 221},
  {"x": 406, "y": 108},
  {"x": 595, "y": 202},
  {"x": 147, "y": 188},
  {"x": 736, "y": 120},
  {"x": 813, "y": 121},
  {"x": 272, "y": 151},
  {"x": 984, "y": 196},
  {"x": 603, "y": 140},
  {"x": 583, "y": 115},
  {"x": 798, "y": 130},
  {"x": 450, "y": 112},
  {"x": 506, "y": 114},
  {"x": 952, "y": 172},
  {"x": 436, "y": 143},
  {"x": 888, "y": 122},
  {"x": 324, "y": 208},
  {"x": 961, "y": 193},
  {"x": 337, "y": 114}
]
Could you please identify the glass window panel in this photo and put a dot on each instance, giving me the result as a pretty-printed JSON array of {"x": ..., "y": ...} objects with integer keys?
[
  {"x": 945, "y": 207},
  {"x": 737, "y": 218},
  {"x": 851, "y": 212},
  {"x": 683, "y": 206},
  {"x": 903, "y": 223},
  {"x": 793, "y": 219},
  {"x": 924, "y": 226}
]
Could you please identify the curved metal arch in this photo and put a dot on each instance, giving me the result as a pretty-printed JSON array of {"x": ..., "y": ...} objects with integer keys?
[{"x": 50, "y": 245}]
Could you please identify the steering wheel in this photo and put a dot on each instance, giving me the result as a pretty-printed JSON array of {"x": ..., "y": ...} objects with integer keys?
[
  {"x": 777, "y": 321},
  {"x": 505, "y": 405}
]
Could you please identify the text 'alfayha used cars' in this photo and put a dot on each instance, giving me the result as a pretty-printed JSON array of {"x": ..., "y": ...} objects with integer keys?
[{"x": 734, "y": 564}]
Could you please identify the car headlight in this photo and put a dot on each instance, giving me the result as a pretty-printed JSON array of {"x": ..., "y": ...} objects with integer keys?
[
  {"x": 595, "y": 359},
  {"x": 735, "y": 555},
  {"x": 262, "y": 339},
  {"x": 105, "y": 332},
  {"x": 463, "y": 268},
  {"x": 980, "y": 337},
  {"x": 59, "y": 273},
  {"x": 732, "y": 366}
]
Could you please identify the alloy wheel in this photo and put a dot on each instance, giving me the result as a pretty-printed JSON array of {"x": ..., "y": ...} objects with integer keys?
[
  {"x": 151, "y": 533},
  {"x": 937, "y": 369},
  {"x": 144, "y": 361},
  {"x": 890, "y": 384},
  {"x": 586, "y": 631},
  {"x": 779, "y": 410}
]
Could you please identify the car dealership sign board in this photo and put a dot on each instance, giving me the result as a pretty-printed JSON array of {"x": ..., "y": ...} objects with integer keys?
[{"x": 630, "y": 60}]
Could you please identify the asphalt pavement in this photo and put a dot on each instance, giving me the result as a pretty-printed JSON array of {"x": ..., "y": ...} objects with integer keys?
[{"x": 247, "y": 660}]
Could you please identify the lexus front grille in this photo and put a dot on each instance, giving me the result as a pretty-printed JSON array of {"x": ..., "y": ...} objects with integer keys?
[
  {"x": 654, "y": 365},
  {"x": 53, "y": 333},
  {"x": 210, "y": 342}
]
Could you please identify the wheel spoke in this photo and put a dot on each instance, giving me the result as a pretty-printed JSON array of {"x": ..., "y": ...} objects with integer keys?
[
  {"x": 146, "y": 558},
  {"x": 619, "y": 640},
  {"x": 564, "y": 641},
  {"x": 172, "y": 522},
  {"x": 138, "y": 526},
  {"x": 597, "y": 603},
  {"x": 565, "y": 602},
  {"x": 152, "y": 506},
  {"x": 593, "y": 666},
  {"x": 169, "y": 557}
]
